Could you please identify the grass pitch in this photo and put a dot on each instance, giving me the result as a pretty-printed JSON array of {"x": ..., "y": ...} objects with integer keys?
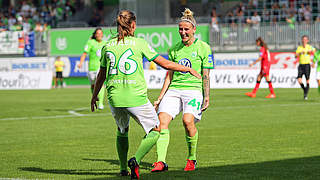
[{"x": 51, "y": 134}]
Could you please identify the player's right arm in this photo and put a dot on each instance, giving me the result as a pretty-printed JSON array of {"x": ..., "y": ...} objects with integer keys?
[
  {"x": 165, "y": 87},
  {"x": 161, "y": 61},
  {"x": 82, "y": 58},
  {"x": 84, "y": 54}
]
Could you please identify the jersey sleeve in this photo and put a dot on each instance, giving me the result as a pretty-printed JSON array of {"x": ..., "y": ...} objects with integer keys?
[
  {"x": 87, "y": 47},
  {"x": 207, "y": 57},
  {"x": 104, "y": 57},
  {"x": 298, "y": 50},
  {"x": 148, "y": 51},
  {"x": 316, "y": 56}
]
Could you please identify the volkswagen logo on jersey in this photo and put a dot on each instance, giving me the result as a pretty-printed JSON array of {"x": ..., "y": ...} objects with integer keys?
[{"x": 185, "y": 62}]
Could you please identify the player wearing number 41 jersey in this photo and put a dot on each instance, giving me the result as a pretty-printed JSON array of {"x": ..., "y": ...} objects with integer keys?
[
  {"x": 182, "y": 92},
  {"x": 122, "y": 69}
]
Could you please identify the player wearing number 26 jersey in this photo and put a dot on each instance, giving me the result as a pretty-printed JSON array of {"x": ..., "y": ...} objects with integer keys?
[{"x": 121, "y": 68}]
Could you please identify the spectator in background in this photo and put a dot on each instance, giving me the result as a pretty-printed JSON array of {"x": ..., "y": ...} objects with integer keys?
[
  {"x": 301, "y": 13},
  {"x": 307, "y": 14},
  {"x": 26, "y": 26},
  {"x": 59, "y": 65},
  {"x": 255, "y": 21},
  {"x": 95, "y": 20},
  {"x": 284, "y": 12},
  {"x": 214, "y": 20},
  {"x": 240, "y": 17},
  {"x": 266, "y": 16},
  {"x": 291, "y": 21}
]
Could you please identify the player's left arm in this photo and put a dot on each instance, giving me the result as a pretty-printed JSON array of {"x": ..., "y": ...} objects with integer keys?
[
  {"x": 206, "y": 89},
  {"x": 99, "y": 82}
]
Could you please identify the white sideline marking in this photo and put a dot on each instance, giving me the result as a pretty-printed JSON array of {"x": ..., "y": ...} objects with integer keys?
[
  {"x": 267, "y": 105},
  {"x": 75, "y": 113},
  {"x": 72, "y": 113}
]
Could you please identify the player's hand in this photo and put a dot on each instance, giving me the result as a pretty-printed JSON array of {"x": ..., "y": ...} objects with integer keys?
[
  {"x": 250, "y": 65},
  {"x": 205, "y": 104},
  {"x": 313, "y": 65},
  {"x": 94, "y": 103},
  {"x": 156, "y": 104},
  {"x": 194, "y": 73},
  {"x": 79, "y": 66}
]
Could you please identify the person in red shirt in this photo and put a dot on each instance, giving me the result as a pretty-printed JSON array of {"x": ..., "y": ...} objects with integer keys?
[{"x": 264, "y": 57}]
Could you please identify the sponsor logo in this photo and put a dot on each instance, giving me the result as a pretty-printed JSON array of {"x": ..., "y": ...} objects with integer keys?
[
  {"x": 29, "y": 66},
  {"x": 185, "y": 62},
  {"x": 61, "y": 43},
  {"x": 22, "y": 81}
]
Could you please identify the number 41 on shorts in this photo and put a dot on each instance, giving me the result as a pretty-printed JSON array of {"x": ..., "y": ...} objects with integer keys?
[{"x": 193, "y": 103}]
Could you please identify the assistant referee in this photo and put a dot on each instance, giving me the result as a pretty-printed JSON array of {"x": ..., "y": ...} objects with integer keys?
[{"x": 304, "y": 53}]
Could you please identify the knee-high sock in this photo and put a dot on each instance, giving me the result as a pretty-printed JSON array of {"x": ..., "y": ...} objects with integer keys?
[
  {"x": 270, "y": 87},
  {"x": 307, "y": 88},
  {"x": 302, "y": 86},
  {"x": 162, "y": 144},
  {"x": 192, "y": 146},
  {"x": 101, "y": 95},
  {"x": 146, "y": 144},
  {"x": 256, "y": 87},
  {"x": 122, "y": 148}
]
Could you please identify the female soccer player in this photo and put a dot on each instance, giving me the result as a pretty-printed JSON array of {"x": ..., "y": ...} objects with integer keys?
[
  {"x": 304, "y": 53},
  {"x": 122, "y": 68},
  {"x": 183, "y": 92},
  {"x": 264, "y": 57},
  {"x": 316, "y": 59},
  {"x": 93, "y": 48}
]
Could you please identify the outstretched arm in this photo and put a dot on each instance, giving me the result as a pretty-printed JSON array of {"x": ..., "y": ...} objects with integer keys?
[
  {"x": 164, "y": 89},
  {"x": 206, "y": 89},
  {"x": 99, "y": 82},
  {"x": 255, "y": 62},
  {"x": 161, "y": 61}
]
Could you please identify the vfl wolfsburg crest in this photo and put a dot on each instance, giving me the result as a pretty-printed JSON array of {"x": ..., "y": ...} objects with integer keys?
[
  {"x": 61, "y": 43},
  {"x": 185, "y": 62}
]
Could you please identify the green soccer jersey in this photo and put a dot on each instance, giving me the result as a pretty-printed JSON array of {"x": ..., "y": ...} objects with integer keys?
[
  {"x": 316, "y": 59},
  {"x": 126, "y": 85},
  {"x": 93, "y": 48},
  {"x": 198, "y": 56}
]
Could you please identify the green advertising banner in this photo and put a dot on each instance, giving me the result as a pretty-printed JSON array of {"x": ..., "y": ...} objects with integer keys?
[{"x": 71, "y": 42}]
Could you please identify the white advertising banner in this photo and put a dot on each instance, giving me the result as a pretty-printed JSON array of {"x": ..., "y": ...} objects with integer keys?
[
  {"x": 278, "y": 60},
  {"x": 232, "y": 78},
  {"x": 11, "y": 42},
  {"x": 25, "y": 64},
  {"x": 26, "y": 80},
  {"x": 25, "y": 73}
]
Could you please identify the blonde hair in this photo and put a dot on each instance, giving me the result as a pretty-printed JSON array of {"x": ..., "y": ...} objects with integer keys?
[
  {"x": 187, "y": 16},
  {"x": 124, "y": 21}
]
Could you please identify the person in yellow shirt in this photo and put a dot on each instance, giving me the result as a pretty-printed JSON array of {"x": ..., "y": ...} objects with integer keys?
[
  {"x": 59, "y": 65},
  {"x": 304, "y": 53}
]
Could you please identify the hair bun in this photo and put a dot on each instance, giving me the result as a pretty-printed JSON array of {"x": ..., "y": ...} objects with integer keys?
[{"x": 187, "y": 12}]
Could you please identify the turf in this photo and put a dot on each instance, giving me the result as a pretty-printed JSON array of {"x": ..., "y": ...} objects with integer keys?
[{"x": 51, "y": 134}]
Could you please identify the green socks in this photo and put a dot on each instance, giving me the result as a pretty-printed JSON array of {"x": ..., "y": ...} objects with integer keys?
[
  {"x": 146, "y": 144},
  {"x": 192, "y": 146},
  {"x": 162, "y": 144},
  {"x": 122, "y": 148}
]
